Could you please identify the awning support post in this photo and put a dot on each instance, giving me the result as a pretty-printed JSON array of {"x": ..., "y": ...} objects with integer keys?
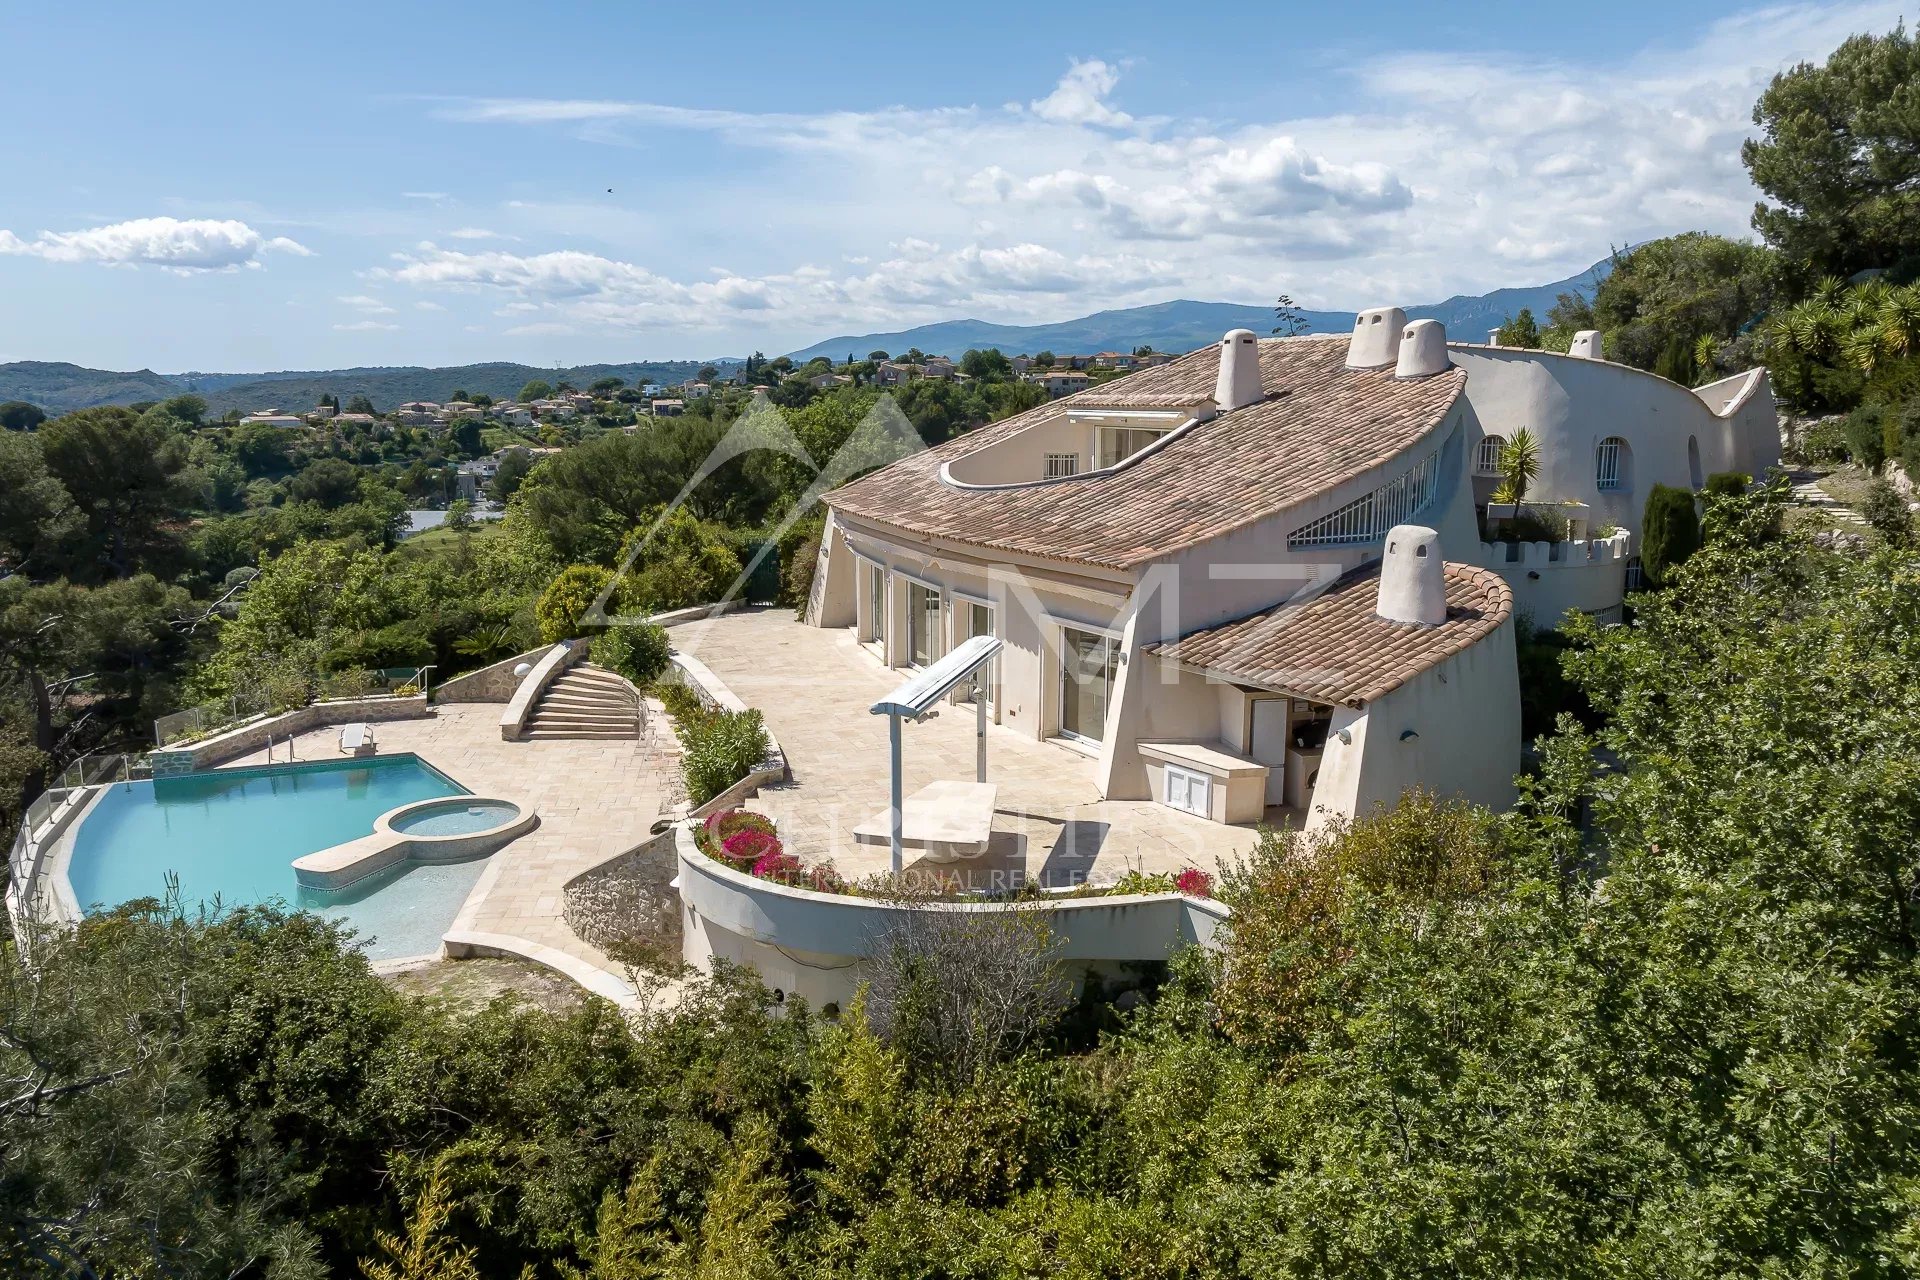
[
  {"x": 980, "y": 727},
  {"x": 896, "y": 811}
]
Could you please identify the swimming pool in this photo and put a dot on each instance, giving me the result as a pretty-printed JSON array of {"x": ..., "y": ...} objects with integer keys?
[{"x": 232, "y": 835}]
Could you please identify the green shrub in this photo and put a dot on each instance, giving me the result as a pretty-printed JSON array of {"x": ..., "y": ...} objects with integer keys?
[
  {"x": 796, "y": 572},
  {"x": 1825, "y": 441},
  {"x": 680, "y": 701},
  {"x": 567, "y": 599},
  {"x": 1727, "y": 484},
  {"x": 640, "y": 652},
  {"x": 685, "y": 562},
  {"x": 718, "y": 749},
  {"x": 400, "y": 644},
  {"x": 1866, "y": 435},
  {"x": 1669, "y": 532},
  {"x": 1886, "y": 510}
]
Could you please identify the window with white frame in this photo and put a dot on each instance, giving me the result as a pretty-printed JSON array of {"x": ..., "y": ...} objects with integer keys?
[
  {"x": 1088, "y": 662},
  {"x": 1610, "y": 464},
  {"x": 1062, "y": 465},
  {"x": 876, "y": 628},
  {"x": 1487, "y": 461},
  {"x": 1367, "y": 518}
]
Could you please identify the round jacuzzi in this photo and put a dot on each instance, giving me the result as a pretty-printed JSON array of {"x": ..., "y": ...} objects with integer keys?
[{"x": 459, "y": 816}]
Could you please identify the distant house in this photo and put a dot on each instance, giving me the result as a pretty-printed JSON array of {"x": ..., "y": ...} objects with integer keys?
[
  {"x": 652, "y": 389},
  {"x": 514, "y": 415},
  {"x": 354, "y": 419},
  {"x": 273, "y": 418},
  {"x": 1020, "y": 366},
  {"x": 1073, "y": 362},
  {"x": 828, "y": 381},
  {"x": 322, "y": 411},
  {"x": 890, "y": 374},
  {"x": 1062, "y": 382},
  {"x": 668, "y": 408},
  {"x": 1154, "y": 359},
  {"x": 695, "y": 390},
  {"x": 1120, "y": 360}
]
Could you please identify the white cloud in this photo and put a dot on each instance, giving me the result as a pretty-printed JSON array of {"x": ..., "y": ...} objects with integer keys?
[
  {"x": 477, "y": 233},
  {"x": 173, "y": 244},
  {"x": 1081, "y": 96},
  {"x": 1434, "y": 174},
  {"x": 424, "y": 305},
  {"x": 366, "y": 326},
  {"x": 370, "y": 305}
]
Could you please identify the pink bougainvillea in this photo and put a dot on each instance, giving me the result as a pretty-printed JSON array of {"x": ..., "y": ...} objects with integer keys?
[
  {"x": 1194, "y": 882},
  {"x": 782, "y": 867},
  {"x": 745, "y": 848}
]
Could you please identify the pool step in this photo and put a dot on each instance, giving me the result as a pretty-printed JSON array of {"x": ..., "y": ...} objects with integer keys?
[{"x": 586, "y": 702}]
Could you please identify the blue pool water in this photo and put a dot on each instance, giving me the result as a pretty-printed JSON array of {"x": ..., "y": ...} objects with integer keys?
[
  {"x": 231, "y": 836},
  {"x": 457, "y": 818}
]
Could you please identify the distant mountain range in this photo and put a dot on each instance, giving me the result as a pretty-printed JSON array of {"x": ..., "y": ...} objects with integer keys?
[
  {"x": 62, "y": 388},
  {"x": 1185, "y": 325},
  {"x": 1166, "y": 326}
]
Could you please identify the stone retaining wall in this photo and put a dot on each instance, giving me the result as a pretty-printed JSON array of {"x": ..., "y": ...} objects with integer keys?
[
  {"x": 252, "y": 735},
  {"x": 494, "y": 683}
]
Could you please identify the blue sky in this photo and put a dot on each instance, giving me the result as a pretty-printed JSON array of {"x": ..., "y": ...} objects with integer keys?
[{"x": 248, "y": 187}]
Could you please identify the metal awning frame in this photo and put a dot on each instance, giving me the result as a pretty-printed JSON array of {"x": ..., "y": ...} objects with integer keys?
[{"x": 965, "y": 664}]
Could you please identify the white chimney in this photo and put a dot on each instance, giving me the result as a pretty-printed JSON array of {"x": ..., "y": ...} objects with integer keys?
[
  {"x": 1423, "y": 350},
  {"x": 1413, "y": 586},
  {"x": 1586, "y": 344},
  {"x": 1239, "y": 382},
  {"x": 1493, "y": 339},
  {"x": 1376, "y": 336}
]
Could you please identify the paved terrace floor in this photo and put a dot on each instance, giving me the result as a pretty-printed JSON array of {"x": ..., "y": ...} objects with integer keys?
[
  {"x": 595, "y": 799},
  {"x": 815, "y": 687}
]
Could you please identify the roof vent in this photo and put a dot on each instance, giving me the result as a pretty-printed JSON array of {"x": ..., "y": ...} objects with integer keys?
[
  {"x": 1239, "y": 383},
  {"x": 1586, "y": 344},
  {"x": 1423, "y": 350},
  {"x": 1493, "y": 339},
  {"x": 1413, "y": 585},
  {"x": 1376, "y": 335}
]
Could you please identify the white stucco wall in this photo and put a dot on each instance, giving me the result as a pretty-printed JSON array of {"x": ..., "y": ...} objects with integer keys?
[
  {"x": 1465, "y": 714},
  {"x": 1550, "y": 578},
  {"x": 1573, "y": 404}
]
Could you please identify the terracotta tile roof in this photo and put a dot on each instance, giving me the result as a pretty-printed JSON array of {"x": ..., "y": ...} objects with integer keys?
[
  {"x": 1320, "y": 424},
  {"x": 1335, "y": 648}
]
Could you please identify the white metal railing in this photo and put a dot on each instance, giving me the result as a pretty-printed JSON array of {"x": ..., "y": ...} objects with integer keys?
[
  {"x": 1367, "y": 519},
  {"x": 70, "y": 786}
]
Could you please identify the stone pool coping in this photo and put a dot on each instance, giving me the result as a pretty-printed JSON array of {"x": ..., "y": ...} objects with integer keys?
[{"x": 341, "y": 866}]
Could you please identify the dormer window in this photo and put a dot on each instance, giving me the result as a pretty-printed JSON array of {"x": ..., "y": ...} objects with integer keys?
[{"x": 1120, "y": 443}]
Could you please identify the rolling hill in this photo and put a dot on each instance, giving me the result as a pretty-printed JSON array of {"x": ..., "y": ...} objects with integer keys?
[
  {"x": 59, "y": 388},
  {"x": 1167, "y": 326},
  {"x": 62, "y": 388},
  {"x": 1184, "y": 325}
]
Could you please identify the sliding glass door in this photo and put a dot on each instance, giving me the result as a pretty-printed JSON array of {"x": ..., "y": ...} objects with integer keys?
[
  {"x": 923, "y": 624},
  {"x": 972, "y": 619},
  {"x": 1087, "y": 663}
]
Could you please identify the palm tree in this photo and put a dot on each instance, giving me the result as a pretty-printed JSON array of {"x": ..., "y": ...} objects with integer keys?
[{"x": 1519, "y": 465}]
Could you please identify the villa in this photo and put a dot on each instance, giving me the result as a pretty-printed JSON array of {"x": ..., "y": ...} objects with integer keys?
[{"x": 1254, "y": 580}]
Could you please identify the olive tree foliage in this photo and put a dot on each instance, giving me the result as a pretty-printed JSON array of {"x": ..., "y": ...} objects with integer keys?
[{"x": 955, "y": 991}]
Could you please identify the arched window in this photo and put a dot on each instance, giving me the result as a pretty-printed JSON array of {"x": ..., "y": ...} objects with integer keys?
[
  {"x": 1487, "y": 461},
  {"x": 1611, "y": 463}
]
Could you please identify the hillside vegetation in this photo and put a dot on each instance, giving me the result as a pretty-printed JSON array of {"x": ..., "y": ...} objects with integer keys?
[{"x": 62, "y": 388}]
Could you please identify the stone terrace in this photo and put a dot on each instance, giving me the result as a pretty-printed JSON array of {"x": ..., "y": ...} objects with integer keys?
[{"x": 815, "y": 687}]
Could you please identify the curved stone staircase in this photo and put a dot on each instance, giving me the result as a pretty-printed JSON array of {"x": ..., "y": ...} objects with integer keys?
[{"x": 585, "y": 702}]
